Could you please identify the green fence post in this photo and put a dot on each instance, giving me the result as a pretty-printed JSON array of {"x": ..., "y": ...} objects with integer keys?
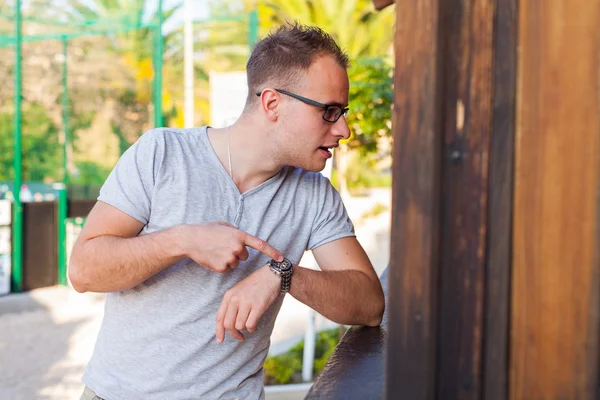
[
  {"x": 253, "y": 28},
  {"x": 62, "y": 235},
  {"x": 17, "y": 224},
  {"x": 158, "y": 66},
  {"x": 62, "y": 192}
]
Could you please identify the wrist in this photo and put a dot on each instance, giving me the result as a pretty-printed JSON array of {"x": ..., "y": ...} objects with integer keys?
[
  {"x": 284, "y": 271},
  {"x": 273, "y": 281},
  {"x": 178, "y": 246}
]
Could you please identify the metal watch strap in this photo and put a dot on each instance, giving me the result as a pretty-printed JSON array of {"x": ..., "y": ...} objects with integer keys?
[
  {"x": 284, "y": 270},
  {"x": 286, "y": 282}
]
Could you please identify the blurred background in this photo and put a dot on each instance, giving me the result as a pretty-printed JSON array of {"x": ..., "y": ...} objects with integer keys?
[{"x": 96, "y": 74}]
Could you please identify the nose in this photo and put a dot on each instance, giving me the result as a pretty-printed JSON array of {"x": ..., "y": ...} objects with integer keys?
[{"x": 340, "y": 128}]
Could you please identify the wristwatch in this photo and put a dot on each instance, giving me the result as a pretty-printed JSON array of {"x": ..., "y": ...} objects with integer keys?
[{"x": 284, "y": 270}]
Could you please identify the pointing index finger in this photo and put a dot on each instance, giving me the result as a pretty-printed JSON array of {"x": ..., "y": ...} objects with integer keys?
[{"x": 262, "y": 246}]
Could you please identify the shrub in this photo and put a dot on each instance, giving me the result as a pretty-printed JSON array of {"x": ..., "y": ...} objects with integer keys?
[{"x": 287, "y": 368}]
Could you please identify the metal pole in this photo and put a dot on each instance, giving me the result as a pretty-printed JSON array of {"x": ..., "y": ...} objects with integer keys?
[
  {"x": 188, "y": 57},
  {"x": 308, "y": 355},
  {"x": 17, "y": 231},
  {"x": 253, "y": 28},
  {"x": 62, "y": 194},
  {"x": 158, "y": 64}
]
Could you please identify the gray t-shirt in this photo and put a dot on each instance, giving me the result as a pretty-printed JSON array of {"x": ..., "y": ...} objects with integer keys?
[{"x": 157, "y": 340}]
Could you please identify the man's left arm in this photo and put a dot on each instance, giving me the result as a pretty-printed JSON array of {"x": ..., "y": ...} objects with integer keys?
[{"x": 346, "y": 290}]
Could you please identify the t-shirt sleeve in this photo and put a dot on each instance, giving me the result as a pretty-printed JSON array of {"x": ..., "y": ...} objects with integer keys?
[
  {"x": 331, "y": 221},
  {"x": 130, "y": 185}
]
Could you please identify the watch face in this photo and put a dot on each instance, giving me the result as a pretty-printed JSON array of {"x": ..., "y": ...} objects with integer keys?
[{"x": 285, "y": 265}]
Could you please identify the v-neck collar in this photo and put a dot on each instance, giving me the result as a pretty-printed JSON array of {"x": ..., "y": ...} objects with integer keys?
[{"x": 219, "y": 165}]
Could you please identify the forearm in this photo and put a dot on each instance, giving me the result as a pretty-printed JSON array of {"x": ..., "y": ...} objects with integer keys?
[
  {"x": 347, "y": 297},
  {"x": 110, "y": 263}
]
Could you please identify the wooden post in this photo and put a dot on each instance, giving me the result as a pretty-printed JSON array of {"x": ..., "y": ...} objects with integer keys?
[
  {"x": 416, "y": 190},
  {"x": 555, "y": 302},
  {"x": 494, "y": 270},
  {"x": 443, "y": 126},
  {"x": 467, "y": 112},
  {"x": 497, "y": 296}
]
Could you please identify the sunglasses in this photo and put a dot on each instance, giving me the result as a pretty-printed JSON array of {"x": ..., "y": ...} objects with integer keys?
[{"x": 331, "y": 112}]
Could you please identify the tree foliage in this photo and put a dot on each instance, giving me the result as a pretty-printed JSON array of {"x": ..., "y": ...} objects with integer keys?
[
  {"x": 109, "y": 85},
  {"x": 371, "y": 99},
  {"x": 357, "y": 27}
]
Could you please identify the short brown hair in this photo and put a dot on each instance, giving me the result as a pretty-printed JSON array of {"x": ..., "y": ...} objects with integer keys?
[{"x": 291, "y": 48}]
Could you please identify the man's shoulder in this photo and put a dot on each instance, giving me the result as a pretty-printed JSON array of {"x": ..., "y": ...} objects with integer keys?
[
  {"x": 168, "y": 134},
  {"x": 166, "y": 144}
]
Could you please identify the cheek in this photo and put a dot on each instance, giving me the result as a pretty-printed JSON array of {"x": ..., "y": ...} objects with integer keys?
[{"x": 302, "y": 134}]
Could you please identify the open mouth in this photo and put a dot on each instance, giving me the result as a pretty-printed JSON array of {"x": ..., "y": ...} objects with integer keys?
[{"x": 326, "y": 151}]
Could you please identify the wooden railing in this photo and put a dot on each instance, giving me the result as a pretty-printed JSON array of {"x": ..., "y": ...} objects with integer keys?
[{"x": 356, "y": 369}]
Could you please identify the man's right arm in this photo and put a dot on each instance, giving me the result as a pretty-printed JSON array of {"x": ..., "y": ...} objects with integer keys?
[{"x": 109, "y": 255}]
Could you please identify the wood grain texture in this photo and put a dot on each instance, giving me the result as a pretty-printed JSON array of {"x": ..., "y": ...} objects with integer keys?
[
  {"x": 414, "y": 263},
  {"x": 554, "y": 333},
  {"x": 468, "y": 84},
  {"x": 497, "y": 309}
]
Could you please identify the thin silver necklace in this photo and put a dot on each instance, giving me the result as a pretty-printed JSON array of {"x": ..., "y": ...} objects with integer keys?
[{"x": 229, "y": 151}]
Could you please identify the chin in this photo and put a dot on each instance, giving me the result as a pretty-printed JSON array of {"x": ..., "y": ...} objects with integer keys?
[
  {"x": 316, "y": 167},
  {"x": 312, "y": 165}
]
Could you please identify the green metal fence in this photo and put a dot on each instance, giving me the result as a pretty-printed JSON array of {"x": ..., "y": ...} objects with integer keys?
[{"x": 65, "y": 32}]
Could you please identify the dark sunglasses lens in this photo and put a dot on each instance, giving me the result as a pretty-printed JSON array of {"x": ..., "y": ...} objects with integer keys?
[{"x": 332, "y": 114}]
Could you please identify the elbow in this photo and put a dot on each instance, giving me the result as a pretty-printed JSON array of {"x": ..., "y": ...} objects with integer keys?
[
  {"x": 377, "y": 308},
  {"x": 77, "y": 281},
  {"x": 374, "y": 322},
  {"x": 77, "y": 276},
  {"x": 377, "y": 314},
  {"x": 365, "y": 313}
]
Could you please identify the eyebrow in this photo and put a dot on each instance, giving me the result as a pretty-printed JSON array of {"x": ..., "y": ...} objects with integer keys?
[{"x": 335, "y": 103}]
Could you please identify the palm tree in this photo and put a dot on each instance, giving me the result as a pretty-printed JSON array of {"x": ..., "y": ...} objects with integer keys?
[{"x": 354, "y": 24}]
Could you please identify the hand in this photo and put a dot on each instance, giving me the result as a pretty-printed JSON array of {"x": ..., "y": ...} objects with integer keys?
[
  {"x": 220, "y": 246},
  {"x": 246, "y": 302}
]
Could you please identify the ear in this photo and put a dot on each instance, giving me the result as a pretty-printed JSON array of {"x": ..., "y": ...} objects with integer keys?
[{"x": 270, "y": 102}]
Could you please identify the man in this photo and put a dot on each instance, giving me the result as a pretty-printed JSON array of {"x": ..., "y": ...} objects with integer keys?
[{"x": 197, "y": 233}]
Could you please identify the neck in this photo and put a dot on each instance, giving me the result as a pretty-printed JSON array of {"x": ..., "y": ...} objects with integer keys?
[{"x": 251, "y": 154}]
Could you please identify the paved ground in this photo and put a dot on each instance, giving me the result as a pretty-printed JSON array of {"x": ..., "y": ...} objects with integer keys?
[{"x": 47, "y": 335}]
